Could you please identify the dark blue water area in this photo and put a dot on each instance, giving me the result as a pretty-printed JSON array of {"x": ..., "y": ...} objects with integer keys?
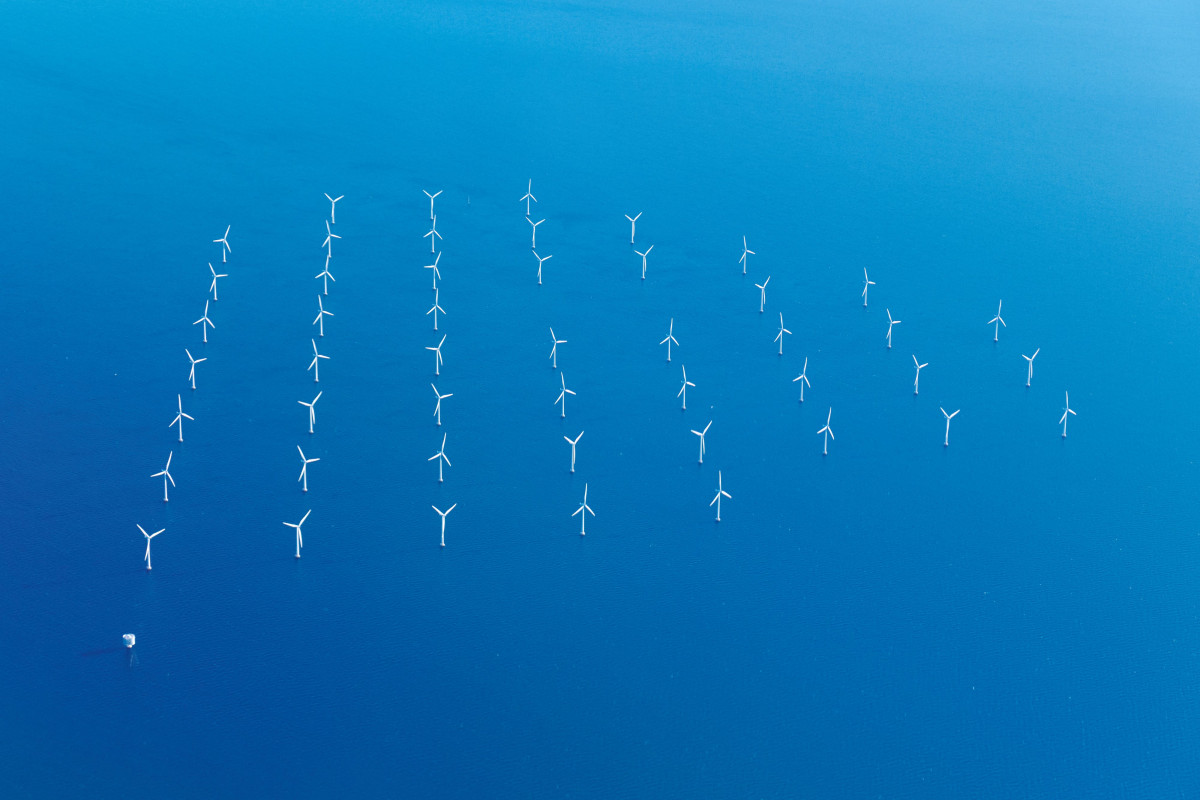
[{"x": 1014, "y": 615}]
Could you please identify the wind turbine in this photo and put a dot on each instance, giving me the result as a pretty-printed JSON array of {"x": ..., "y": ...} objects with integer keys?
[
  {"x": 746, "y": 251},
  {"x": 998, "y": 320},
  {"x": 632, "y": 225},
  {"x": 643, "y": 255},
  {"x": 533, "y": 225},
  {"x": 1067, "y": 410},
  {"x": 166, "y": 475},
  {"x": 583, "y": 517},
  {"x": 444, "y": 514},
  {"x": 204, "y": 322},
  {"x": 827, "y": 431},
  {"x": 304, "y": 467},
  {"x": 433, "y": 234},
  {"x": 701, "y": 435},
  {"x": 299, "y": 535},
  {"x": 431, "y": 196},
  {"x": 224, "y": 242},
  {"x": 540, "y": 262},
  {"x": 683, "y": 388},
  {"x": 333, "y": 206},
  {"x": 782, "y": 331},
  {"x": 528, "y": 196},
  {"x": 435, "y": 309},
  {"x": 554, "y": 349},
  {"x": 949, "y": 417},
  {"x": 315, "y": 366},
  {"x": 326, "y": 275},
  {"x": 670, "y": 338},
  {"x": 215, "y": 274},
  {"x": 329, "y": 237},
  {"x": 891, "y": 324},
  {"x": 437, "y": 411},
  {"x": 867, "y": 283},
  {"x": 803, "y": 378},
  {"x": 1029, "y": 377},
  {"x": 762, "y": 300},
  {"x": 192, "y": 371},
  {"x": 917, "y": 379},
  {"x": 720, "y": 493},
  {"x": 562, "y": 396},
  {"x": 312, "y": 411},
  {"x": 437, "y": 351},
  {"x": 440, "y": 455},
  {"x": 180, "y": 417},
  {"x": 573, "y": 442},
  {"x": 321, "y": 315},
  {"x": 148, "y": 536},
  {"x": 437, "y": 275}
]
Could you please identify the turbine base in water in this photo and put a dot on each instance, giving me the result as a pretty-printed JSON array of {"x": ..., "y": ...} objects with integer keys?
[{"x": 129, "y": 639}]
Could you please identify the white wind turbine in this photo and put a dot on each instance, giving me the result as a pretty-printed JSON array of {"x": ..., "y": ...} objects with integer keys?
[
  {"x": 433, "y": 235},
  {"x": 917, "y": 379},
  {"x": 746, "y": 251},
  {"x": 670, "y": 338},
  {"x": 213, "y": 287},
  {"x": 891, "y": 324},
  {"x": 435, "y": 309},
  {"x": 803, "y": 378},
  {"x": 720, "y": 493},
  {"x": 180, "y": 417},
  {"x": 828, "y": 431},
  {"x": 443, "y": 515},
  {"x": 304, "y": 462},
  {"x": 583, "y": 507},
  {"x": 329, "y": 237},
  {"x": 437, "y": 351},
  {"x": 782, "y": 331},
  {"x": 437, "y": 275},
  {"x": 442, "y": 460},
  {"x": 1067, "y": 410},
  {"x": 431, "y": 196},
  {"x": 325, "y": 274},
  {"x": 554, "y": 349},
  {"x": 528, "y": 196},
  {"x": 204, "y": 322},
  {"x": 148, "y": 536},
  {"x": 573, "y": 442},
  {"x": 946, "y": 442},
  {"x": 166, "y": 475},
  {"x": 643, "y": 255},
  {"x": 224, "y": 242},
  {"x": 312, "y": 411},
  {"x": 315, "y": 366},
  {"x": 437, "y": 411},
  {"x": 701, "y": 434},
  {"x": 533, "y": 230},
  {"x": 562, "y": 396},
  {"x": 762, "y": 300},
  {"x": 192, "y": 371},
  {"x": 998, "y": 320},
  {"x": 321, "y": 315},
  {"x": 867, "y": 283},
  {"x": 333, "y": 206},
  {"x": 540, "y": 262},
  {"x": 684, "y": 387},
  {"x": 632, "y": 225},
  {"x": 299, "y": 535},
  {"x": 1029, "y": 377}
]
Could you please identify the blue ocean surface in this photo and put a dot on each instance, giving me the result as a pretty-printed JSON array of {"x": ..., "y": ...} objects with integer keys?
[{"x": 1016, "y": 614}]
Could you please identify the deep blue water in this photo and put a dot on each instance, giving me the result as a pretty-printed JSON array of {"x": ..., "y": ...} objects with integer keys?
[{"x": 1015, "y": 615}]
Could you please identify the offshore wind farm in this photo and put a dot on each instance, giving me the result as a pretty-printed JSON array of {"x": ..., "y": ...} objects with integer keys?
[{"x": 880, "y": 614}]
